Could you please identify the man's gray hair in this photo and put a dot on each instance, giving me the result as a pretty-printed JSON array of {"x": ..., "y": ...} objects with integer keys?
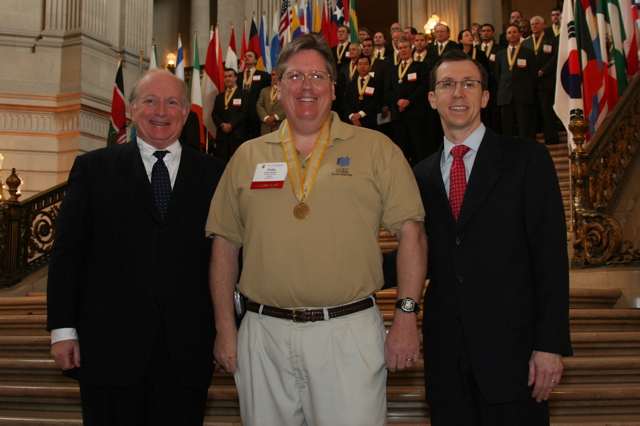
[{"x": 186, "y": 97}]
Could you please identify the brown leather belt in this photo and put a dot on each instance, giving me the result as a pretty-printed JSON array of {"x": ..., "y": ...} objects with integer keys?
[{"x": 310, "y": 315}]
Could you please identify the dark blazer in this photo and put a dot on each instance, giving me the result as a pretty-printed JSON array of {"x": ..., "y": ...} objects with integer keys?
[
  {"x": 432, "y": 51},
  {"x": 120, "y": 275},
  {"x": 342, "y": 61},
  {"x": 499, "y": 276},
  {"x": 518, "y": 83},
  {"x": 370, "y": 104},
  {"x": 415, "y": 91},
  {"x": 546, "y": 60},
  {"x": 237, "y": 116},
  {"x": 254, "y": 91},
  {"x": 549, "y": 31}
]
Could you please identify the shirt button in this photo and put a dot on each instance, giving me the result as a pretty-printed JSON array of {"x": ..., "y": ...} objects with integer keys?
[
  {"x": 460, "y": 279},
  {"x": 457, "y": 241}
]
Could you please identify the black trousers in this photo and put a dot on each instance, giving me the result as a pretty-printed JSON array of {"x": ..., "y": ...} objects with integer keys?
[
  {"x": 465, "y": 405},
  {"x": 157, "y": 399}
]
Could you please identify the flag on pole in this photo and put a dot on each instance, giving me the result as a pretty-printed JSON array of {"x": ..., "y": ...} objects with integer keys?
[
  {"x": 265, "y": 55},
  {"x": 243, "y": 46},
  {"x": 196, "y": 93},
  {"x": 285, "y": 23},
  {"x": 568, "y": 100},
  {"x": 317, "y": 18},
  {"x": 153, "y": 57},
  {"x": 254, "y": 43},
  {"x": 329, "y": 26},
  {"x": 302, "y": 17},
  {"x": 232, "y": 58},
  {"x": 118, "y": 125},
  {"x": 309, "y": 16},
  {"x": 180, "y": 61},
  {"x": 591, "y": 65},
  {"x": 353, "y": 21},
  {"x": 274, "y": 48},
  {"x": 630, "y": 43},
  {"x": 211, "y": 80},
  {"x": 611, "y": 46},
  {"x": 295, "y": 23},
  {"x": 338, "y": 14}
]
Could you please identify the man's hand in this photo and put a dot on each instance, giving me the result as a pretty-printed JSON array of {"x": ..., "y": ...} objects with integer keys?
[
  {"x": 402, "y": 104},
  {"x": 226, "y": 127},
  {"x": 66, "y": 353},
  {"x": 385, "y": 112},
  {"x": 402, "y": 347},
  {"x": 545, "y": 371},
  {"x": 225, "y": 351},
  {"x": 270, "y": 120}
]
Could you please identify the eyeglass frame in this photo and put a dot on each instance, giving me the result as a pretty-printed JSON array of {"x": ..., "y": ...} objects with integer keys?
[
  {"x": 462, "y": 84},
  {"x": 287, "y": 77}
]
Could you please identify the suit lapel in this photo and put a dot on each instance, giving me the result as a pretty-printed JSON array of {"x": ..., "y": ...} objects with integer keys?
[
  {"x": 189, "y": 174},
  {"x": 483, "y": 176},
  {"x": 433, "y": 189},
  {"x": 133, "y": 171}
]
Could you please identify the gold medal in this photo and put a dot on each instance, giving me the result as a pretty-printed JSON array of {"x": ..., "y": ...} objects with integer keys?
[
  {"x": 400, "y": 81},
  {"x": 301, "y": 211},
  {"x": 361, "y": 97}
]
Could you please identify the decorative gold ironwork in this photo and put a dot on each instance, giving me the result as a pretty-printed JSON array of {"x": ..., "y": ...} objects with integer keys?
[
  {"x": 27, "y": 230},
  {"x": 598, "y": 174}
]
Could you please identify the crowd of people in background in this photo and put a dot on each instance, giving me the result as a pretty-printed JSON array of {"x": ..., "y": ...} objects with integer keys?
[{"x": 383, "y": 85}]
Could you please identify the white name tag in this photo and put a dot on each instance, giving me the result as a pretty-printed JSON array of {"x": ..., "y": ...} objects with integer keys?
[
  {"x": 412, "y": 76},
  {"x": 237, "y": 102},
  {"x": 369, "y": 90},
  {"x": 347, "y": 54},
  {"x": 522, "y": 63},
  {"x": 492, "y": 57},
  {"x": 269, "y": 175},
  {"x": 256, "y": 78},
  {"x": 372, "y": 74},
  {"x": 547, "y": 48}
]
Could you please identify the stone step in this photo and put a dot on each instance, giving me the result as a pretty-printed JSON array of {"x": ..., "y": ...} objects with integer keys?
[
  {"x": 602, "y": 369},
  {"x": 604, "y": 320},
  {"x": 593, "y": 343},
  {"x": 31, "y": 305}
]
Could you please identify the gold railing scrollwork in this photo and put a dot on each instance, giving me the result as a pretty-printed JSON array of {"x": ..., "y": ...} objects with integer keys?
[
  {"x": 26, "y": 230},
  {"x": 598, "y": 174}
]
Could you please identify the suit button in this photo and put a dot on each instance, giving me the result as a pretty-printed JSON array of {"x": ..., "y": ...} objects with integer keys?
[
  {"x": 460, "y": 279},
  {"x": 457, "y": 241},
  {"x": 157, "y": 303},
  {"x": 163, "y": 265},
  {"x": 163, "y": 230},
  {"x": 457, "y": 321}
]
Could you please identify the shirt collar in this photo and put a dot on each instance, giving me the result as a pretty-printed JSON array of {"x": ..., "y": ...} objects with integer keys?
[{"x": 473, "y": 142}]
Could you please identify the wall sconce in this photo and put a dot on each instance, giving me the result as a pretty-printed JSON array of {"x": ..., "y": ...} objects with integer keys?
[
  {"x": 171, "y": 61},
  {"x": 428, "y": 27}
]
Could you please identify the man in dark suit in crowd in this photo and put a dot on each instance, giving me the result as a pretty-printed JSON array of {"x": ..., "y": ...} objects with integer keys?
[
  {"x": 407, "y": 87},
  {"x": 556, "y": 22},
  {"x": 362, "y": 97},
  {"x": 231, "y": 115},
  {"x": 517, "y": 75},
  {"x": 514, "y": 18},
  {"x": 129, "y": 307},
  {"x": 440, "y": 45},
  {"x": 496, "y": 321},
  {"x": 545, "y": 48},
  {"x": 491, "y": 49},
  {"x": 253, "y": 81},
  {"x": 341, "y": 50}
]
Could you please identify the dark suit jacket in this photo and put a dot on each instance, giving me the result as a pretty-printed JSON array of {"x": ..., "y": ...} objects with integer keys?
[
  {"x": 546, "y": 61},
  {"x": 432, "y": 51},
  {"x": 236, "y": 115},
  {"x": 369, "y": 104},
  {"x": 254, "y": 91},
  {"x": 499, "y": 276},
  {"x": 415, "y": 91},
  {"x": 344, "y": 60},
  {"x": 518, "y": 83},
  {"x": 120, "y": 275}
]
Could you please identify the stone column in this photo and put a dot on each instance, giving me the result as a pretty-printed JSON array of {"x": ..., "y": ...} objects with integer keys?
[
  {"x": 413, "y": 13},
  {"x": 200, "y": 21},
  {"x": 487, "y": 11}
]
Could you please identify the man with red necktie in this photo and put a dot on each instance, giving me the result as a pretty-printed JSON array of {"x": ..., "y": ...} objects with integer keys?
[{"x": 496, "y": 321}]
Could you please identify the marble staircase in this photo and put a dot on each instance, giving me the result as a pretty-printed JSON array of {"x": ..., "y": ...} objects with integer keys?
[{"x": 600, "y": 386}]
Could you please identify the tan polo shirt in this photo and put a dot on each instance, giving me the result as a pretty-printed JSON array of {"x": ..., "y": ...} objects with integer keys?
[{"x": 332, "y": 257}]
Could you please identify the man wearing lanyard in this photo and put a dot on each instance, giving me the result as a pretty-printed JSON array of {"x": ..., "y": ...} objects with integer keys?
[
  {"x": 305, "y": 204},
  {"x": 253, "y": 81},
  {"x": 497, "y": 305}
]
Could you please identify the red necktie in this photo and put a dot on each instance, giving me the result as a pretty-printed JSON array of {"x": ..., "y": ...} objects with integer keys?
[{"x": 457, "y": 179}]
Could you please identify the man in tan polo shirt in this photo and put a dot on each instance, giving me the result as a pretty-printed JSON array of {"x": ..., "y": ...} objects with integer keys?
[{"x": 305, "y": 204}]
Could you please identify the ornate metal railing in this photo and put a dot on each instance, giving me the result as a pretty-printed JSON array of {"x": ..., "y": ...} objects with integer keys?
[
  {"x": 26, "y": 230},
  {"x": 599, "y": 173}
]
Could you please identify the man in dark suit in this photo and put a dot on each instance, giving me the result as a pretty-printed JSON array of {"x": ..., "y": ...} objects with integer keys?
[
  {"x": 407, "y": 87},
  {"x": 517, "y": 75},
  {"x": 514, "y": 18},
  {"x": 362, "y": 97},
  {"x": 545, "y": 48},
  {"x": 441, "y": 45},
  {"x": 556, "y": 22},
  {"x": 129, "y": 307},
  {"x": 491, "y": 49},
  {"x": 231, "y": 115},
  {"x": 253, "y": 81},
  {"x": 341, "y": 50},
  {"x": 496, "y": 321}
]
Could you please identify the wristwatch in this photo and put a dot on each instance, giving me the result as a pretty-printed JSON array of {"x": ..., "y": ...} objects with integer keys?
[{"x": 408, "y": 305}]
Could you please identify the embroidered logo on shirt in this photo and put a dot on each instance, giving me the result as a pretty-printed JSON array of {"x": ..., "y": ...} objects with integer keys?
[{"x": 343, "y": 167}]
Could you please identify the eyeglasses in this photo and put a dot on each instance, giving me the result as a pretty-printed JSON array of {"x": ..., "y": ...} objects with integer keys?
[
  {"x": 316, "y": 77},
  {"x": 451, "y": 85}
]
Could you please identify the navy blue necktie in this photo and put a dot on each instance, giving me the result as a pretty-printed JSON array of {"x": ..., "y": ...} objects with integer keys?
[{"x": 161, "y": 183}]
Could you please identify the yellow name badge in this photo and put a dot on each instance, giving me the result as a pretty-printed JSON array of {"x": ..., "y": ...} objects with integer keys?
[{"x": 269, "y": 175}]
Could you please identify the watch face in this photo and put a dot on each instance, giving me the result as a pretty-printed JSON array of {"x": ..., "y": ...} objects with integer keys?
[{"x": 407, "y": 305}]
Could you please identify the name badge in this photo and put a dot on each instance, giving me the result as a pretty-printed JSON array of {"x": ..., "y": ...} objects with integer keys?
[
  {"x": 492, "y": 57},
  {"x": 547, "y": 48},
  {"x": 522, "y": 63},
  {"x": 347, "y": 54},
  {"x": 237, "y": 102},
  {"x": 372, "y": 74},
  {"x": 269, "y": 175},
  {"x": 369, "y": 90},
  {"x": 412, "y": 77},
  {"x": 256, "y": 78}
]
